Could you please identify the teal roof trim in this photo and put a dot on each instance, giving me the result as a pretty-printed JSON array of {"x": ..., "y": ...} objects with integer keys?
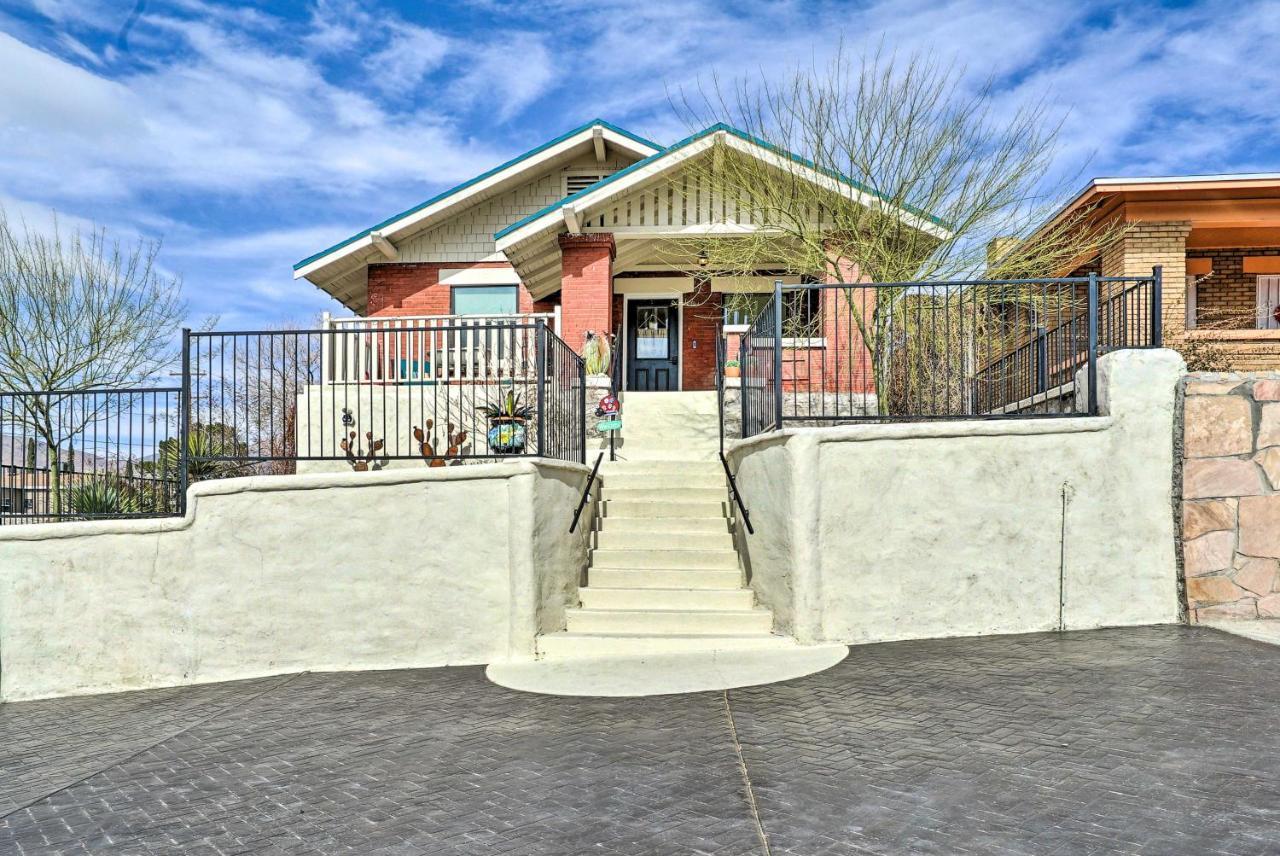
[
  {"x": 459, "y": 188},
  {"x": 719, "y": 126}
]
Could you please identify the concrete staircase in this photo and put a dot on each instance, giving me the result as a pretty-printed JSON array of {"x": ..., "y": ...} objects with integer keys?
[{"x": 664, "y": 574}]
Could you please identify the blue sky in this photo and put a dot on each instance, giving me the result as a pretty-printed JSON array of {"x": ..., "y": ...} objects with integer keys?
[{"x": 250, "y": 136}]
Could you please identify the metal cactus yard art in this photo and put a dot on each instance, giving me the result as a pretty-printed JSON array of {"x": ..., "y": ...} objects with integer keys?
[
  {"x": 360, "y": 460},
  {"x": 426, "y": 446}
]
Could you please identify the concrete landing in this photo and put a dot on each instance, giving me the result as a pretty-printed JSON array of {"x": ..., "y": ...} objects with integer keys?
[{"x": 664, "y": 674}]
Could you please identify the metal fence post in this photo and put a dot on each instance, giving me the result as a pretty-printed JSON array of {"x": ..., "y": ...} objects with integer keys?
[
  {"x": 582, "y": 415},
  {"x": 744, "y": 386},
  {"x": 184, "y": 421},
  {"x": 1157, "y": 311},
  {"x": 540, "y": 358},
  {"x": 1042, "y": 359},
  {"x": 1092, "y": 372},
  {"x": 777, "y": 354}
]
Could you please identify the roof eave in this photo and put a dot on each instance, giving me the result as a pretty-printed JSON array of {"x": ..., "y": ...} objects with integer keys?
[{"x": 459, "y": 196}]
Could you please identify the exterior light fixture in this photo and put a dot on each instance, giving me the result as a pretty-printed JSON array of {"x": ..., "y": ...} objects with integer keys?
[{"x": 702, "y": 259}]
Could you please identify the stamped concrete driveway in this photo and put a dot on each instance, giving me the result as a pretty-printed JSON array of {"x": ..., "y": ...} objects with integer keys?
[{"x": 1157, "y": 740}]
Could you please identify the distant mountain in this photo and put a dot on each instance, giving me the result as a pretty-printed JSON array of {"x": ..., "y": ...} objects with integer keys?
[{"x": 13, "y": 453}]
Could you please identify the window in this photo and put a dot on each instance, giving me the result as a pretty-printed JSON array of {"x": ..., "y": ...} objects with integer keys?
[
  {"x": 1268, "y": 302},
  {"x": 1191, "y": 301},
  {"x": 485, "y": 300},
  {"x": 801, "y": 317}
]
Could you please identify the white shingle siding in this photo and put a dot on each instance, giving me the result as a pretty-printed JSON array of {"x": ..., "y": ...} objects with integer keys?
[{"x": 468, "y": 237}]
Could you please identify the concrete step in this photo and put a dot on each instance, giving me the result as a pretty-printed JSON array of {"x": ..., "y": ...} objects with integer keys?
[
  {"x": 645, "y": 539},
  {"x": 629, "y": 508},
  {"x": 594, "y": 597},
  {"x": 673, "y": 466},
  {"x": 683, "y": 578},
  {"x": 663, "y": 494},
  {"x": 684, "y": 622},
  {"x": 663, "y": 526},
  {"x": 636, "y": 559},
  {"x": 608, "y": 644},
  {"x": 637, "y": 479}
]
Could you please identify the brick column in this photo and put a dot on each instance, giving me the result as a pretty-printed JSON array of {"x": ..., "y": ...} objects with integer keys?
[
  {"x": 1142, "y": 248},
  {"x": 847, "y": 360},
  {"x": 586, "y": 286}
]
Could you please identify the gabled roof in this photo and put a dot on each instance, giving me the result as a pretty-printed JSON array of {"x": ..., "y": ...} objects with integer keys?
[
  {"x": 670, "y": 157},
  {"x": 451, "y": 200}
]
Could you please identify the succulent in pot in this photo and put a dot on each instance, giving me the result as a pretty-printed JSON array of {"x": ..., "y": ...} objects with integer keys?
[
  {"x": 731, "y": 369},
  {"x": 508, "y": 418}
]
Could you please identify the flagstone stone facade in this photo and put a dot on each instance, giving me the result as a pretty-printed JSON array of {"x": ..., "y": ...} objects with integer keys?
[{"x": 1231, "y": 495}]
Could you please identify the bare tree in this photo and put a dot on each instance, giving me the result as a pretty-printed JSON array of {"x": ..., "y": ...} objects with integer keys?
[
  {"x": 882, "y": 168},
  {"x": 79, "y": 312}
]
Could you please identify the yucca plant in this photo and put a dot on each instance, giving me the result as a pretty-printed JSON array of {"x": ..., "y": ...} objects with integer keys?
[
  {"x": 101, "y": 497},
  {"x": 208, "y": 447}
]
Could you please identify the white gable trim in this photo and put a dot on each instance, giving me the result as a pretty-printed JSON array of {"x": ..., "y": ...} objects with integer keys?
[
  {"x": 416, "y": 220},
  {"x": 576, "y": 209}
]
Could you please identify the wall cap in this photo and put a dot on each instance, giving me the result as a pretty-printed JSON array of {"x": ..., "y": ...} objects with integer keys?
[{"x": 267, "y": 484}]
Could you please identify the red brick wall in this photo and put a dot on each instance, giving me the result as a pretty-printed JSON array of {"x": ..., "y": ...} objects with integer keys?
[
  {"x": 413, "y": 288},
  {"x": 586, "y": 286},
  {"x": 700, "y": 316}
]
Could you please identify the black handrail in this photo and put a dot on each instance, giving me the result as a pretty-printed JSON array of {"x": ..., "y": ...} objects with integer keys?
[
  {"x": 586, "y": 493},
  {"x": 724, "y": 462}
]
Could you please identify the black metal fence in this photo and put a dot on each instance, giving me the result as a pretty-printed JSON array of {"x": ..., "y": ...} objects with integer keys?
[
  {"x": 760, "y": 370},
  {"x": 276, "y": 401},
  {"x": 986, "y": 349},
  {"x": 443, "y": 395},
  {"x": 89, "y": 454}
]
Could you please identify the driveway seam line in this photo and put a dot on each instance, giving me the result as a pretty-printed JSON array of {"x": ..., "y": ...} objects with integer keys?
[
  {"x": 746, "y": 776},
  {"x": 115, "y": 763}
]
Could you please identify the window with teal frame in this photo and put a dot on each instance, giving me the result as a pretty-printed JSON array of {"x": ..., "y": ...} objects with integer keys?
[{"x": 484, "y": 300}]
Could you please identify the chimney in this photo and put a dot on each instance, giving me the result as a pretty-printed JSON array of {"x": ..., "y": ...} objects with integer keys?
[{"x": 998, "y": 248}]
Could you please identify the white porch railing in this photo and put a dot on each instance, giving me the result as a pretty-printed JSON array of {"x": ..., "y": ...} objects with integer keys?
[{"x": 431, "y": 348}]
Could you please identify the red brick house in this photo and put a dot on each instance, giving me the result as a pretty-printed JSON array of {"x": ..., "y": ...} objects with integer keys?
[{"x": 572, "y": 231}]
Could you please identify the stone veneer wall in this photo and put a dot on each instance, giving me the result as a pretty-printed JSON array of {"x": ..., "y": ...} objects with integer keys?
[{"x": 1231, "y": 495}]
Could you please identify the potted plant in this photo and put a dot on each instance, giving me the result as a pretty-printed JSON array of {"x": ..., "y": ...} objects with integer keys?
[
  {"x": 731, "y": 369},
  {"x": 507, "y": 420}
]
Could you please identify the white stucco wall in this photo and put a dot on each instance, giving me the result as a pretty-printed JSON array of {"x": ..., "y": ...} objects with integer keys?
[
  {"x": 279, "y": 574},
  {"x": 878, "y": 532}
]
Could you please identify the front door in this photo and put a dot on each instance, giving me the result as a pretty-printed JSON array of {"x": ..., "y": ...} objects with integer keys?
[{"x": 653, "y": 345}]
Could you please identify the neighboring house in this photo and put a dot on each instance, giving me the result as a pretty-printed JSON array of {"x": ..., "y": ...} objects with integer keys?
[
  {"x": 1217, "y": 238},
  {"x": 572, "y": 232}
]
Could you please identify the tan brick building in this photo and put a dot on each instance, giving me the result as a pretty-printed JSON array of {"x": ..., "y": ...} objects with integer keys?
[{"x": 1217, "y": 239}]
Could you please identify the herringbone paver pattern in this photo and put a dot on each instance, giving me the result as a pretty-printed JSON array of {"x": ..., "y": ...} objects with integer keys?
[
  {"x": 1152, "y": 741},
  {"x": 1158, "y": 740}
]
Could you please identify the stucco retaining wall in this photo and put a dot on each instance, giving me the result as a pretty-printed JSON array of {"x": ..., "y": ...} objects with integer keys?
[
  {"x": 878, "y": 532},
  {"x": 279, "y": 574}
]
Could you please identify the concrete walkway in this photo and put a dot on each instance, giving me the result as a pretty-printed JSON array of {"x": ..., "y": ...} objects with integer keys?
[
  {"x": 1144, "y": 741},
  {"x": 1261, "y": 630}
]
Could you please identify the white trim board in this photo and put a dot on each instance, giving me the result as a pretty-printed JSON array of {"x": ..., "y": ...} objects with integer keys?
[{"x": 479, "y": 276}]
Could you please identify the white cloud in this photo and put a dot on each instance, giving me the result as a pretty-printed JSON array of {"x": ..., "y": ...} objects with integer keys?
[
  {"x": 407, "y": 58},
  {"x": 224, "y": 115}
]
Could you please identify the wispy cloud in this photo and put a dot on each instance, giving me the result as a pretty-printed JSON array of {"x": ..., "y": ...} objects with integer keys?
[{"x": 252, "y": 136}]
